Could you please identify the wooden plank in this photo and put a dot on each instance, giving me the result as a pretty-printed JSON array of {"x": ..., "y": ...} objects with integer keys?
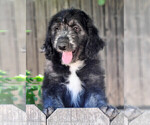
[
  {"x": 40, "y": 32},
  {"x": 132, "y": 81},
  {"x": 96, "y": 15},
  {"x": 9, "y": 59},
  {"x": 131, "y": 112},
  {"x": 78, "y": 116},
  {"x": 143, "y": 119},
  {"x": 51, "y": 9},
  {"x": 111, "y": 53},
  {"x": 120, "y": 120},
  {"x": 35, "y": 116},
  {"x": 74, "y": 4},
  {"x": 120, "y": 49},
  {"x": 144, "y": 29},
  {"x": 86, "y": 5},
  {"x": 98, "y": 19},
  {"x": 11, "y": 115},
  {"x": 31, "y": 54},
  {"x": 20, "y": 19},
  {"x": 62, "y": 4}
]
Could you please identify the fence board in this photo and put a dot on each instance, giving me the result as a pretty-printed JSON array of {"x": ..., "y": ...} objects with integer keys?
[
  {"x": 74, "y": 4},
  {"x": 144, "y": 29},
  {"x": 40, "y": 31},
  {"x": 35, "y": 116},
  {"x": 8, "y": 39},
  {"x": 51, "y": 9},
  {"x": 78, "y": 116},
  {"x": 62, "y": 4},
  {"x": 11, "y": 115},
  {"x": 20, "y": 23},
  {"x": 120, "y": 120},
  {"x": 86, "y": 5},
  {"x": 143, "y": 119},
  {"x": 120, "y": 49},
  {"x": 31, "y": 54},
  {"x": 111, "y": 70},
  {"x": 132, "y": 69}
]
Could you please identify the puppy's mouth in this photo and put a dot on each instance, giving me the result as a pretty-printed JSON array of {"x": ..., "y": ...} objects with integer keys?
[{"x": 69, "y": 56}]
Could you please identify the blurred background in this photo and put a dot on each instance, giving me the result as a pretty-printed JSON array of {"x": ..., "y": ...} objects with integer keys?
[
  {"x": 12, "y": 52},
  {"x": 123, "y": 25}
]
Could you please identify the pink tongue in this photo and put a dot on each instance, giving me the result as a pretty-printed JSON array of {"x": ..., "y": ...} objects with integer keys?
[{"x": 67, "y": 57}]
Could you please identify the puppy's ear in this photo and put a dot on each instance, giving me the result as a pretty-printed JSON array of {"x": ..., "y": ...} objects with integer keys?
[
  {"x": 94, "y": 43},
  {"x": 47, "y": 46}
]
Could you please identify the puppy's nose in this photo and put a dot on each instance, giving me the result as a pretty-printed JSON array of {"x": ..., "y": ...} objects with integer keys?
[{"x": 63, "y": 43}]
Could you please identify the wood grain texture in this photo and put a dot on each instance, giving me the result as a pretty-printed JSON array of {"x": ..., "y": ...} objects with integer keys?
[
  {"x": 40, "y": 32},
  {"x": 144, "y": 31},
  {"x": 74, "y": 4},
  {"x": 11, "y": 115},
  {"x": 120, "y": 120},
  {"x": 131, "y": 54},
  {"x": 143, "y": 119},
  {"x": 136, "y": 63},
  {"x": 8, "y": 46},
  {"x": 120, "y": 49},
  {"x": 111, "y": 51},
  {"x": 86, "y": 5},
  {"x": 20, "y": 23},
  {"x": 31, "y": 54},
  {"x": 35, "y": 116},
  {"x": 62, "y": 4},
  {"x": 78, "y": 116},
  {"x": 51, "y": 9}
]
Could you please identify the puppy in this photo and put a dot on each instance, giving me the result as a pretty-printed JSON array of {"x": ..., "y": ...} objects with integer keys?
[{"x": 73, "y": 74}]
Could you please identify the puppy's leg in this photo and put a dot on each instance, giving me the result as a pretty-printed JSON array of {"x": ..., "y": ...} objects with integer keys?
[
  {"x": 51, "y": 100},
  {"x": 94, "y": 99},
  {"x": 50, "y": 103},
  {"x": 98, "y": 100}
]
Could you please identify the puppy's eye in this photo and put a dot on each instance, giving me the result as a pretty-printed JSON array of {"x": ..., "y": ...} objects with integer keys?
[
  {"x": 76, "y": 28},
  {"x": 56, "y": 28}
]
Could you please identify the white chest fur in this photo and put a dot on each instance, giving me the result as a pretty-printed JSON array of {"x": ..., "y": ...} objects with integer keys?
[{"x": 75, "y": 84}]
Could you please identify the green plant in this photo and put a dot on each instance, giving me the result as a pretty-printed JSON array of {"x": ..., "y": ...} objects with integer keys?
[
  {"x": 33, "y": 88},
  {"x": 8, "y": 86},
  {"x": 13, "y": 88},
  {"x": 101, "y": 2}
]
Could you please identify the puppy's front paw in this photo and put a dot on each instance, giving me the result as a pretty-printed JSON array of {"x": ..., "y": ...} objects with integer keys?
[
  {"x": 48, "y": 111},
  {"x": 110, "y": 111}
]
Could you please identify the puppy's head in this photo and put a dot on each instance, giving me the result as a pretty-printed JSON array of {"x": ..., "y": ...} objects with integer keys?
[{"x": 72, "y": 35}]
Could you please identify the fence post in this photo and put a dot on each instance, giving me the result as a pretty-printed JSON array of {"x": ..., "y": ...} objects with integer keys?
[{"x": 11, "y": 115}]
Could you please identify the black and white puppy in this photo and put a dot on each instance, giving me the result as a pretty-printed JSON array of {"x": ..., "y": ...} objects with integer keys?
[{"x": 73, "y": 74}]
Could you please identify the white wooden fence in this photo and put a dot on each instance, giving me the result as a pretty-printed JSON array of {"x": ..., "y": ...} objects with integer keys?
[{"x": 11, "y": 115}]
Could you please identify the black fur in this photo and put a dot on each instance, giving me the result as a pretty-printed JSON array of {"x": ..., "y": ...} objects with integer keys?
[{"x": 55, "y": 94}]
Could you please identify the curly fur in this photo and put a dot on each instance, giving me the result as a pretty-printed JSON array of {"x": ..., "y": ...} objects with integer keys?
[{"x": 86, "y": 77}]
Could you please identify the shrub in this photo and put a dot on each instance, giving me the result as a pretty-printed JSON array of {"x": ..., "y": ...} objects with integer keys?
[{"x": 12, "y": 89}]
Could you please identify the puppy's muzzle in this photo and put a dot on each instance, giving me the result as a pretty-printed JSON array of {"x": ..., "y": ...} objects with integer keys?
[{"x": 63, "y": 43}]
